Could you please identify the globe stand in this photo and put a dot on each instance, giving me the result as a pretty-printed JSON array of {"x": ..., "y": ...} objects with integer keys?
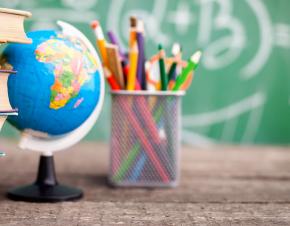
[{"x": 46, "y": 187}]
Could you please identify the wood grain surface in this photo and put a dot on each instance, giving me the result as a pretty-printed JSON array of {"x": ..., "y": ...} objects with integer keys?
[{"x": 225, "y": 185}]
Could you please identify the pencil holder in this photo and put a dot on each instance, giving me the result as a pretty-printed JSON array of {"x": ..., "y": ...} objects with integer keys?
[{"x": 145, "y": 138}]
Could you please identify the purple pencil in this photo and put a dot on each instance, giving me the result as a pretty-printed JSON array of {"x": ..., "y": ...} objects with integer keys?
[
  {"x": 141, "y": 76},
  {"x": 114, "y": 40}
]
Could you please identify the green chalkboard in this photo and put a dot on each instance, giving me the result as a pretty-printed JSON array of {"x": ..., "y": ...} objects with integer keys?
[{"x": 241, "y": 92}]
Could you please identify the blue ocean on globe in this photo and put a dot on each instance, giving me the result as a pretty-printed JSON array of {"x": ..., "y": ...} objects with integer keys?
[{"x": 57, "y": 84}]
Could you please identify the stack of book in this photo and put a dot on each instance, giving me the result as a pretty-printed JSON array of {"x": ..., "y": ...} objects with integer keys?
[{"x": 11, "y": 30}]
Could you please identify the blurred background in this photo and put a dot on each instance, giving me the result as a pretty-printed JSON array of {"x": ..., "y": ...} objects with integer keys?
[{"x": 241, "y": 91}]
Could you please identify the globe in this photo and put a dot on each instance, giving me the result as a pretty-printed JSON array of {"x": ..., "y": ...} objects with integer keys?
[
  {"x": 57, "y": 84},
  {"x": 58, "y": 90}
]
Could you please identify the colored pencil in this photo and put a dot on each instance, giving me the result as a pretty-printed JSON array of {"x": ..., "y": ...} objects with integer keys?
[
  {"x": 101, "y": 42},
  {"x": 114, "y": 63},
  {"x": 132, "y": 35},
  {"x": 141, "y": 152},
  {"x": 114, "y": 40},
  {"x": 133, "y": 59},
  {"x": 141, "y": 77},
  {"x": 137, "y": 170},
  {"x": 146, "y": 143},
  {"x": 111, "y": 80},
  {"x": 150, "y": 83},
  {"x": 163, "y": 74},
  {"x": 152, "y": 74},
  {"x": 192, "y": 65},
  {"x": 172, "y": 70},
  {"x": 127, "y": 162},
  {"x": 186, "y": 84}
]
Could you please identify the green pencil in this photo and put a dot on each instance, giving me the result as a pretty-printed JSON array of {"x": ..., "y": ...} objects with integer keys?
[
  {"x": 192, "y": 65},
  {"x": 127, "y": 162},
  {"x": 163, "y": 75}
]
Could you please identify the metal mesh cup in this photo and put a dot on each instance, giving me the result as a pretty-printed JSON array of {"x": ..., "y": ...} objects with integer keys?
[{"x": 145, "y": 138}]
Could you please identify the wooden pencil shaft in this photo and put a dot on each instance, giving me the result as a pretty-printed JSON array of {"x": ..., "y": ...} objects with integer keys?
[
  {"x": 101, "y": 42},
  {"x": 102, "y": 48},
  {"x": 111, "y": 80},
  {"x": 132, "y": 37},
  {"x": 114, "y": 63},
  {"x": 99, "y": 32},
  {"x": 115, "y": 41},
  {"x": 133, "y": 60},
  {"x": 133, "y": 21}
]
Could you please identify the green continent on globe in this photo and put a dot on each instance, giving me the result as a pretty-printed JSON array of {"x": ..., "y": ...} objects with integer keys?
[{"x": 73, "y": 66}]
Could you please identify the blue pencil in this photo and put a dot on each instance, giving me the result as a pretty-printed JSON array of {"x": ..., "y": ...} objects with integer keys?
[{"x": 136, "y": 172}]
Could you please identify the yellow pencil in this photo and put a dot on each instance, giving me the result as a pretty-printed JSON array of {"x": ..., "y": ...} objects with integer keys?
[
  {"x": 101, "y": 42},
  {"x": 133, "y": 60}
]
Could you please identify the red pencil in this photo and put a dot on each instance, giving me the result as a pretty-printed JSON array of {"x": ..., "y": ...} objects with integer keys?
[
  {"x": 146, "y": 143},
  {"x": 111, "y": 80}
]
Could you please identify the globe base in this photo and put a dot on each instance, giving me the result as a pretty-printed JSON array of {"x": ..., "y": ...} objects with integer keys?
[
  {"x": 36, "y": 193},
  {"x": 46, "y": 188}
]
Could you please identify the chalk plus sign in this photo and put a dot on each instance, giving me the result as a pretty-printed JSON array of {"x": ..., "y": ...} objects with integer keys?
[{"x": 182, "y": 17}]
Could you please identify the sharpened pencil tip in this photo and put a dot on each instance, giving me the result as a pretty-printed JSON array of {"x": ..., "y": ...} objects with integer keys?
[
  {"x": 196, "y": 57},
  {"x": 107, "y": 71},
  {"x": 94, "y": 24},
  {"x": 133, "y": 21},
  {"x": 140, "y": 26},
  {"x": 135, "y": 47},
  {"x": 175, "y": 49}
]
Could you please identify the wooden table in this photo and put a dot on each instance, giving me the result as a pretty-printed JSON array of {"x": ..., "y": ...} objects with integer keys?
[{"x": 220, "y": 186}]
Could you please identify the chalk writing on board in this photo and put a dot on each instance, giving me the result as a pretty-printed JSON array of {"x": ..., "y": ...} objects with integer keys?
[
  {"x": 198, "y": 15},
  {"x": 213, "y": 25},
  {"x": 216, "y": 16},
  {"x": 252, "y": 106}
]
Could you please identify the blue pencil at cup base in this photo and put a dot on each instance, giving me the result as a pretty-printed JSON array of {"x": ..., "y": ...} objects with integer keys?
[{"x": 137, "y": 170}]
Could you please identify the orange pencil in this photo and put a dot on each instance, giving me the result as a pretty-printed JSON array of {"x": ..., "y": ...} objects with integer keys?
[
  {"x": 132, "y": 35},
  {"x": 101, "y": 42}
]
